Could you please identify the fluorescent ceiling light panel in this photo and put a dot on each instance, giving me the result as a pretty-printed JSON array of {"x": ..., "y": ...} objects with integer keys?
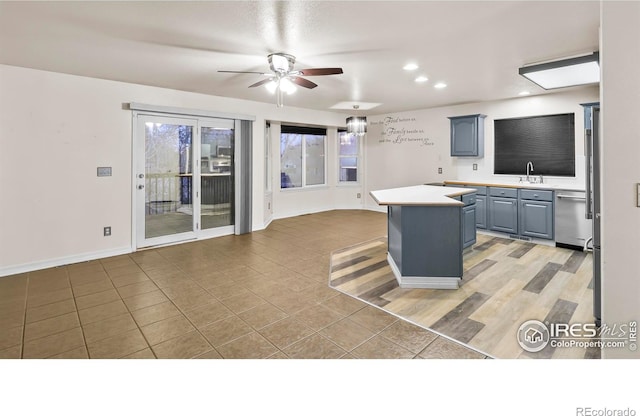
[
  {"x": 410, "y": 67},
  {"x": 565, "y": 73},
  {"x": 440, "y": 85},
  {"x": 422, "y": 79}
]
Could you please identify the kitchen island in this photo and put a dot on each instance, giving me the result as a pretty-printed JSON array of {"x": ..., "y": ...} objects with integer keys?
[{"x": 425, "y": 234}]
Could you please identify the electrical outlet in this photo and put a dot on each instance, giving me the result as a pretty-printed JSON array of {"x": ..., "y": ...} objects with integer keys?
[
  {"x": 475, "y": 166},
  {"x": 358, "y": 195},
  {"x": 107, "y": 231},
  {"x": 440, "y": 170}
]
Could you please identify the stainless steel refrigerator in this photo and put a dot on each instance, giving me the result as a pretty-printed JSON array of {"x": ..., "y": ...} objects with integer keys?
[{"x": 593, "y": 194}]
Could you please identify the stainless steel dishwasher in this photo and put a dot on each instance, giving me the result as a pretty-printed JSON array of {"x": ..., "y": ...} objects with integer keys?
[{"x": 572, "y": 229}]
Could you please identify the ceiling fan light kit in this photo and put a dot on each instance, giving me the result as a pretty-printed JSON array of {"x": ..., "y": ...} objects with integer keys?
[
  {"x": 284, "y": 84},
  {"x": 281, "y": 62},
  {"x": 285, "y": 79}
]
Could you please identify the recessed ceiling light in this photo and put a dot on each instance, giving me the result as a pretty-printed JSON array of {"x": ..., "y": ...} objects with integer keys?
[
  {"x": 410, "y": 67},
  {"x": 524, "y": 93},
  {"x": 440, "y": 85},
  {"x": 421, "y": 79}
]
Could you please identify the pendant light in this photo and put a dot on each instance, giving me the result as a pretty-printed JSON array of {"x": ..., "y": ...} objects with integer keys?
[{"x": 357, "y": 124}]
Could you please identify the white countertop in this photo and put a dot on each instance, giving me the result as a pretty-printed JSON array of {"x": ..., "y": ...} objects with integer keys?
[
  {"x": 421, "y": 195},
  {"x": 526, "y": 185}
]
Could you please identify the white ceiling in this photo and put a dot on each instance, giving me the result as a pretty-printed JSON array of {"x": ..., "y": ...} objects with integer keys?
[{"x": 475, "y": 47}]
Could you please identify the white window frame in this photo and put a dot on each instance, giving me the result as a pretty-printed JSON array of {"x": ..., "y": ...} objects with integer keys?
[
  {"x": 268, "y": 185},
  {"x": 304, "y": 185},
  {"x": 358, "y": 165}
]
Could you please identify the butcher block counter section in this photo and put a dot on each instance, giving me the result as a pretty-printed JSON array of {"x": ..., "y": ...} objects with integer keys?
[
  {"x": 518, "y": 185},
  {"x": 423, "y": 195},
  {"x": 425, "y": 234}
]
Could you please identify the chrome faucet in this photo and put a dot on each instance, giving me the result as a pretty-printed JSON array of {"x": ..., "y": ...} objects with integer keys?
[{"x": 529, "y": 169}]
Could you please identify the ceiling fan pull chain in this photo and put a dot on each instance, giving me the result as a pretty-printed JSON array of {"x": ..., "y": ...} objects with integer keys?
[{"x": 279, "y": 97}]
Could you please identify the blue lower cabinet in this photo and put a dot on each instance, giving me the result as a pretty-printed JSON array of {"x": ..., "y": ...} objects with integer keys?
[
  {"x": 481, "y": 212},
  {"x": 468, "y": 225},
  {"x": 503, "y": 214},
  {"x": 536, "y": 219},
  {"x": 421, "y": 241}
]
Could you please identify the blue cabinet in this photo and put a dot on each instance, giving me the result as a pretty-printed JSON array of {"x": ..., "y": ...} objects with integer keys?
[
  {"x": 502, "y": 210},
  {"x": 481, "y": 212},
  {"x": 468, "y": 226},
  {"x": 536, "y": 214},
  {"x": 503, "y": 214},
  {"x": 520, "y": 212},
  {"x": 467, "y": 135},
  {"x": 468, "y": 223},
  {"x": 481, "y": 206}
]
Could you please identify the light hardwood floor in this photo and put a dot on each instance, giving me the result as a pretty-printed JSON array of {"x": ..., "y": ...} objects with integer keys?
[{"x": 505, "y": 283}]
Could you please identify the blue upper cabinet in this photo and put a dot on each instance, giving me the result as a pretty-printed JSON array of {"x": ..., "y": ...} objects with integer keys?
[{"x": 467, "y": 135}]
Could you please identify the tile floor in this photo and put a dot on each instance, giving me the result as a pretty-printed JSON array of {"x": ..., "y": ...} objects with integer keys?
[{"x": 261, "y": 295}]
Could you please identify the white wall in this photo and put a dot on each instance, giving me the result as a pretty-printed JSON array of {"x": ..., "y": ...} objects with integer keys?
[
  {"x": 408, "y": 148},
  {"x": 56, "y": 129},
  {"x": 620, "y": 60}
]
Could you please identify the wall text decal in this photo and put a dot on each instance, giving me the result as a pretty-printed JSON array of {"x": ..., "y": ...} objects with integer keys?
[{"x": 400, "y": 130}]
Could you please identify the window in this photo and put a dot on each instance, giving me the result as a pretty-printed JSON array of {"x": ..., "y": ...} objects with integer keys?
[
  {"x": 302, "y": 156},
  {"x": 348, "y": 156}
]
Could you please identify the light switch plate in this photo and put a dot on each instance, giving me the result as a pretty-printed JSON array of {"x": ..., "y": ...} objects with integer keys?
[
  {"x": 104, "y": 171},
  {"x": 475, "y": 166}
]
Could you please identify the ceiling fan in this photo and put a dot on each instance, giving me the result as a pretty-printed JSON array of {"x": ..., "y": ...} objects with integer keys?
[{"x": 284, "y": 78}]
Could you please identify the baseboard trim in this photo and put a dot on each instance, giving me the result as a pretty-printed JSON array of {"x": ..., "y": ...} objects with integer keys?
[
  {"x": 62, "y": 261},
  {"x": 301, "y": 212},
  {"x": 78, "y": 258},
  {"x": 422, "y": 282}
]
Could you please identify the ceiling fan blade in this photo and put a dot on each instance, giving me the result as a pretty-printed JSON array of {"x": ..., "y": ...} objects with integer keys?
[
  {"x": 320, "y": 71},
  {"x": 245, "y": 72},
  {"x": 303, "y": 82},
  {"x": 257, "y": 84}
]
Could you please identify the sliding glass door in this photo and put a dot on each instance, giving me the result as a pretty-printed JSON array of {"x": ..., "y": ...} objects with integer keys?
[
  {"x": 184, "y": 179},
  {"x": 217, "y": 173}
]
